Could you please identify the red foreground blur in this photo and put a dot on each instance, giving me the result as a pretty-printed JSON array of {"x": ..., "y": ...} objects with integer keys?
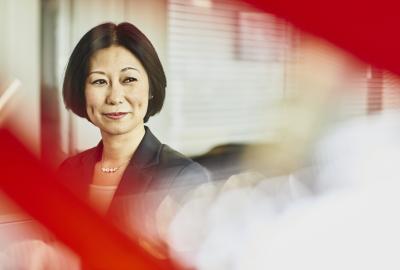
[
  {"x": 367, "y": 29},
  {"x": 32, "y": 186}
]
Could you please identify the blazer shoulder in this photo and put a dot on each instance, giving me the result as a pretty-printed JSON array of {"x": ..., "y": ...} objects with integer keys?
[
  {"x": 184, "y": 167},
  {"x": 171, "y": 157},
  {"x": 76, "y": 160}
]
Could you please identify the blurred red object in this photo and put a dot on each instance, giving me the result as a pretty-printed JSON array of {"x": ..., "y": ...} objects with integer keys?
[
  {"x": 367, "y": 29},
  {"x": 34, "y": 187}
]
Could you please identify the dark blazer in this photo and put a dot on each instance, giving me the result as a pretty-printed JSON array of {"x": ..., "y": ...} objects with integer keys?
[{"x": 154, "y": 172}]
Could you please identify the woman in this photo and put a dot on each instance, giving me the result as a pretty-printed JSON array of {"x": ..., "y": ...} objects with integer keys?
[{"x": 114, "y": 79}]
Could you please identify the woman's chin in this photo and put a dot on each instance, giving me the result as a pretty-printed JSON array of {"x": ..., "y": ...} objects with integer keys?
[
  {"x": 115, "y": 131},
  {"x": 119, "y": 129}
]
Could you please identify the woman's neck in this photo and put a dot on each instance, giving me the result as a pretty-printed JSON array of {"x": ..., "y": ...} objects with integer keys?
[{"x": 120, "y": 148}]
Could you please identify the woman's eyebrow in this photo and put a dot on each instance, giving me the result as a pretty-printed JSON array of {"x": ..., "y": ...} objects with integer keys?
[
  {"x": 122, "y": 70},
  {"x": 96, "y": 71},
  {"x": 127, "y": 68}
]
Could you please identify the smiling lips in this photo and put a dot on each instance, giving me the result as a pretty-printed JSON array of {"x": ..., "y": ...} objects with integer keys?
[{"x": 116, "y": 115}]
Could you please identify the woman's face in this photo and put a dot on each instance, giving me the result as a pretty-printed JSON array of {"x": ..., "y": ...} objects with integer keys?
[{"x": 116, "y": 91}]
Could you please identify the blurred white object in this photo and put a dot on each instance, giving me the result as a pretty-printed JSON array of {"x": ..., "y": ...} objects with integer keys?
[
  {"x": 9, "y": 92},
  {"x": 187, "y": 229},
  {"x": 355, "y": 229},
  {"x": 350, "y": 221},
  {"x": 26, "y": 244},
  {"x": 362, "y": 151},
  {"x": 208, "y": 229},
  {"x": 38, "y": 255}
]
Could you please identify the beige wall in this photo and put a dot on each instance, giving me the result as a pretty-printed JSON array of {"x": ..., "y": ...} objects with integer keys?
[{"x": 19, "y": 59}]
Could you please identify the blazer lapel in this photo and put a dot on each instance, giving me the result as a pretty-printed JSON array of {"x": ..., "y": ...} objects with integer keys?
[
  {"x": 88, "y": 163},
  {"x": 138, "y": 175}
]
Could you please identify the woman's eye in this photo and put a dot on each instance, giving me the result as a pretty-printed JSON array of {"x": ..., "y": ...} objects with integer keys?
[
  {"x": 130, "y": 79},
  {"x": 99, "y": 82}
]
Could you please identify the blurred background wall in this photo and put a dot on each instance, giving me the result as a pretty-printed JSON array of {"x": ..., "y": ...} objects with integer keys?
[
  {"x": 20, "y": 60},
  {"x": 228, "y": 69}
]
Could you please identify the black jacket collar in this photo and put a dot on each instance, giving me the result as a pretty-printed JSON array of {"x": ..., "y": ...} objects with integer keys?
[
  {"x": 146, "y": 155},
  {"x": 148, "y": 152}
]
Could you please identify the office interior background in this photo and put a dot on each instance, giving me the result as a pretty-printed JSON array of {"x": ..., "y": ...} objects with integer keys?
[
  {"x": 235, "y": 75},
  {"x": 227, "y": 64}
]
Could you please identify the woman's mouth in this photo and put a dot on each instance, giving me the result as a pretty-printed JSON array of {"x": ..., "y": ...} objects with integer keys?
[{"x": 115, "y": 115}]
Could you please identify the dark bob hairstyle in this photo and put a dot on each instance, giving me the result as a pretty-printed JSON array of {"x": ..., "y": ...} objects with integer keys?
[{"x": 104, "y": 36}]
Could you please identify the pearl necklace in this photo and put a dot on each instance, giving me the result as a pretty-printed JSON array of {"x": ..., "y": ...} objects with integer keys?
[{"x": 111, "y": 169}]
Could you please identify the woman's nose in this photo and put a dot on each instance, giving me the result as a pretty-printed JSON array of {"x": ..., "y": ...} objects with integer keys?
[{"x": 115, "y": 95}]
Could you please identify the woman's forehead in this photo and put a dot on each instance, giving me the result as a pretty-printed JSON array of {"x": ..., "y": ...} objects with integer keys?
[{"x": 115, "y": 58}]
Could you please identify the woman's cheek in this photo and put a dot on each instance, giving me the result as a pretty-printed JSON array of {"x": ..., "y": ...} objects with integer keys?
[
  {"x": 91, "y": 104},
  {"x": 140, "y": 100},
  {"x": 91, "y": 114}
]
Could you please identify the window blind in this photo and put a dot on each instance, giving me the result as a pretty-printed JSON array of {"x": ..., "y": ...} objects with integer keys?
[{"x": 226, "y": 72}]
